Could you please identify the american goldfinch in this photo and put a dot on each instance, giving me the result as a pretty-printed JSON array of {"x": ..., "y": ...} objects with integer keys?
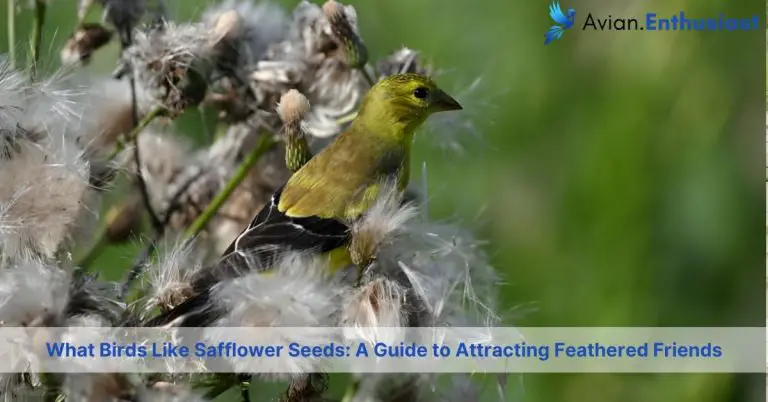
[{"x": 315, "y": 208}]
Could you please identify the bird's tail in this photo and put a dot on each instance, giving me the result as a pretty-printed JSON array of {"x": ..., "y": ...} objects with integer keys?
[{"x": 554, "y": 32}]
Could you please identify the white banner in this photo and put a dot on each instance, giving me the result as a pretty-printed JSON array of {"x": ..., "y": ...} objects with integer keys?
[{"x": 384, "y": 350}]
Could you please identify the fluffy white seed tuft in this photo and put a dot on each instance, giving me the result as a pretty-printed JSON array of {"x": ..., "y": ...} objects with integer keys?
[
  {"x": 170, "y": 277},
  {"x": 373, "y": 310},
  {"x": 42, "y": 187},
  {"x": 379, "y": 225},
  {"x": 294, "y": 294},
  {"x": 293, "y": 106},
  {"x": 43, "y": 174},
  {"x": 447, "y": 271},
  {"x": 31, "y": 293}
]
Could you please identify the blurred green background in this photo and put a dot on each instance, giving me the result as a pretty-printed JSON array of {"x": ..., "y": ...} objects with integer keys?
[{"x": 617, "y": 175}]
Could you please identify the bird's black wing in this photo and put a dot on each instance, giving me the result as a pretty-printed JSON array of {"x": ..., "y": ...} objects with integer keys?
[{"x": 269, "y": 234}]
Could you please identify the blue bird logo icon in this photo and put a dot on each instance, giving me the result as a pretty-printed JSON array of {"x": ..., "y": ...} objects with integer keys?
[{"x": 564, "y": 22}]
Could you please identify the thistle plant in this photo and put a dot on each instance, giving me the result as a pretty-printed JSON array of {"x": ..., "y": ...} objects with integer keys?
[{"x": 282, "y": 84}]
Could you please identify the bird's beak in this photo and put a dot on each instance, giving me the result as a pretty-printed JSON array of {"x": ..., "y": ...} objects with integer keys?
[{"x": 444, "y": 102}]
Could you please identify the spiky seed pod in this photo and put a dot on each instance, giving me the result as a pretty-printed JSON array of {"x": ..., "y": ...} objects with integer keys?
[
  {"x": 292, "y": 108},
  {"x": 345, "y": 33},
  {"x": 87, "y": 38}
]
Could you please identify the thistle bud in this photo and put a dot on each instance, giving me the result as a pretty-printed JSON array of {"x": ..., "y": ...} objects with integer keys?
[
  {"x": 87, "y": 39},
  {"x": 345, "y": 33},
  {"x": 292, "y": 108}
]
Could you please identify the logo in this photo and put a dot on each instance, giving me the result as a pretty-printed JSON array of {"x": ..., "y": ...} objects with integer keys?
[
  {"x": 648, "y": 22},
  {"x": 563, "y": 22}
]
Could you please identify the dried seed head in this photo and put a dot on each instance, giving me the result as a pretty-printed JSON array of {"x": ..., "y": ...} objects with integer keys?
[
  {"x": 87, "y": 39},
  {"x": 172, "y": 63},
  {"x": 310, "y": 59},
  {"x": 171, "y": 276},
  {"x": 44, "y": 173},
  {"x": 293, "y": 106},
  {"x": 343, "y": 24}
]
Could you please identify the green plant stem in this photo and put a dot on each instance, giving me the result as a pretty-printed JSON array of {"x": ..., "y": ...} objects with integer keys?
[
  {"x": 11, "y": 21},
  {"x": 135, "y": 131},
  {"x": 199, "y": 224},
  {"x": 352, "y": 389},
  {"x": 37, "y": 31}
]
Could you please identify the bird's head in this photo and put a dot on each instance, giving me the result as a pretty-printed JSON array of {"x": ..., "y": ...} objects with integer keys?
[
  {"x": 571, "y": 14},
  {"x": 406, "y": 99}
]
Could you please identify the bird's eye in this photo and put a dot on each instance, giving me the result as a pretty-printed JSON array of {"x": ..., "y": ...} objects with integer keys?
[{"x": 421, "y": 92}]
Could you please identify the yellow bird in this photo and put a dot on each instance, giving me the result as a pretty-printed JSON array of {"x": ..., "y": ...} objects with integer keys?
[{"x": 335, "y": 187}]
